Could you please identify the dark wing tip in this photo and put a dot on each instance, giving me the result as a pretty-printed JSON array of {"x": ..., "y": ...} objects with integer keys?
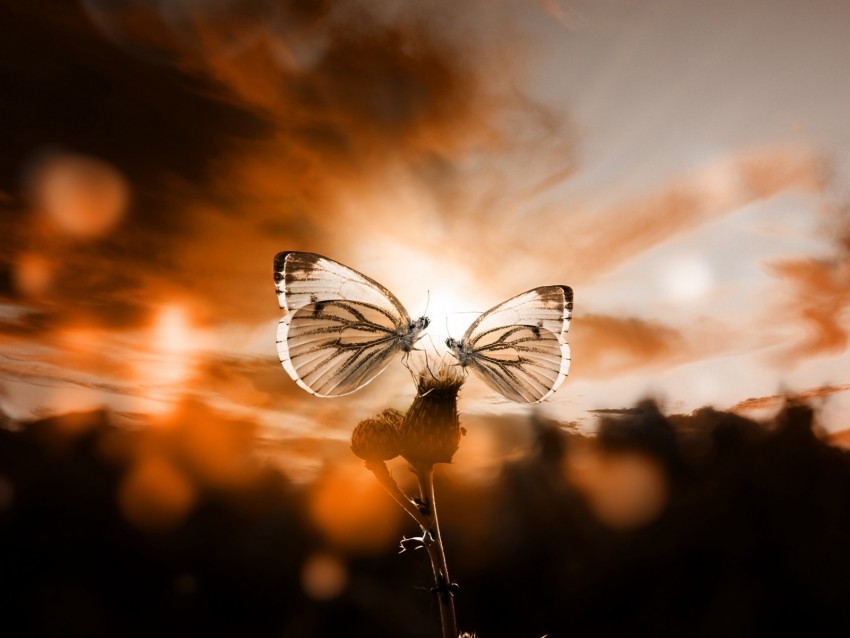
[
  {"x": 280, "y": 260},
  {"x": 565, "y": 290},
  {"x": 297, "y": 256}
]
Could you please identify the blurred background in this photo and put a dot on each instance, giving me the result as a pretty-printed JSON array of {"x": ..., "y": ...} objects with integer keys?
[
  {"x": 701, "y": 525},
  {"x": 681, "y": 165}
]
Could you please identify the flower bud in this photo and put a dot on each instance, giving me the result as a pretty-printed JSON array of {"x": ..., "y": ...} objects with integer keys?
[
  {"x": 430, "y": 431},
  {"x": 377, "y": 438}
]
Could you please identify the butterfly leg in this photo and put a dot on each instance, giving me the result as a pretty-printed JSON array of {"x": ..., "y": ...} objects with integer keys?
[{"x": 405, "y": 361}]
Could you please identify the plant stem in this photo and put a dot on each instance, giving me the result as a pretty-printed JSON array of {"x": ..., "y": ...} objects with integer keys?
[
  {"x": 379, "y": 469},
  {"x": 443, "y": 585},
  {"x": 425, "y": 514}
]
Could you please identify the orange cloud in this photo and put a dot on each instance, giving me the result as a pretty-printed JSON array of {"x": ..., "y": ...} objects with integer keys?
[
  {"x": 820, "y": 292},
  {"x": 503, "y": 229},
  {"x": 599, "y": 241},
  {"x": 776, "y": 401},
  {"x": 604, "y": 346},
  {"x": 254, "y": 148}
]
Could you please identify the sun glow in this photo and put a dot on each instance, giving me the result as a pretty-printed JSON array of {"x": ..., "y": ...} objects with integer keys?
[
  {"x": 687, "y": 279},
  {"x": 441, "y": 289},
  {"x": 169, "y": 362}
]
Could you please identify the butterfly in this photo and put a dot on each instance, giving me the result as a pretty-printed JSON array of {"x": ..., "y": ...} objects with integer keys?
[
  {"x": 341, "y": 328},
  {"x": 518, "y": 347}
]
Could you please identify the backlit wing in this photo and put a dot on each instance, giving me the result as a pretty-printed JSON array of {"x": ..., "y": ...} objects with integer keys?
[
  {"x": 341, "y": 328},
  {"x": 305, "y": 278},
  {"x": 519, "y": 347}
]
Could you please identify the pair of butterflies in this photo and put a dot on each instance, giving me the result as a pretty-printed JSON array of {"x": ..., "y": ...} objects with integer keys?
[{"x": 341, "y": 329}]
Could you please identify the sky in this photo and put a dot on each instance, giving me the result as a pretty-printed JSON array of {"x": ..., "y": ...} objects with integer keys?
[{"x": 680, "y": 164}]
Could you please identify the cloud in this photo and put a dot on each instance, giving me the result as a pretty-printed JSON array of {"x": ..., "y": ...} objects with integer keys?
[
  {"x": 519, "y": 223},
  {"x": 242, "y": 129},
  {"x": 154, "y": 123},
  {"x": 360, "y": 131},
  {"x": 604, "y": 346},
  {"x": 817, "y": 289},
  {"x": 599, "y": 241},
  {"x": 160, "y": 130},
  {"x": 820, "y": 298},
  {"x": 776, "y": 401}
]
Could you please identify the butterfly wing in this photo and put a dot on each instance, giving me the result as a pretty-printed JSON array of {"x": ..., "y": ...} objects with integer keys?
[
  {"x": 519, "y": 347},
  {"x": 341, "y": 328}
]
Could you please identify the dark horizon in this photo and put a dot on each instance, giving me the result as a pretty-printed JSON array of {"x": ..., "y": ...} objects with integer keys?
[{"x": 749, "y": 537}]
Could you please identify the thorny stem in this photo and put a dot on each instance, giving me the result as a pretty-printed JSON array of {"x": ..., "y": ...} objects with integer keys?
[
  {"x": 443, "y": 585},
  {"x": 425, "y": 514}
]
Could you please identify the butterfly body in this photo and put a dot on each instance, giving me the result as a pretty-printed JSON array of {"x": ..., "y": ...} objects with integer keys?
[
  {"x": 459, "y": 350},
  {"x": 410, "y": 334}
]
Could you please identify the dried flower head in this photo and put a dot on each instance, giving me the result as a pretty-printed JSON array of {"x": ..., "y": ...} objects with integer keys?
[
  {"x": 378, "y": 438},
  {"x": 430, "y": 431}
]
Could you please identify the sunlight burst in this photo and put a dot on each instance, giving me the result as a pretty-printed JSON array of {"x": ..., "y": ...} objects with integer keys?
[{"x": 169, "y": 363}]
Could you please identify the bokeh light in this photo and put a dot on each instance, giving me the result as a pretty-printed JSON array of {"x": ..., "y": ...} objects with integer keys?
[
  {"x": 33, "y": 274},
  {"x": 624, "y": 489},
  {"x": 217, "y": 451},
  {"x": 323, "y": 576},
  {"x": 353, "y": 511},
  {"x": 82, "y": 197},
  {"x": 156, "y": 496}
]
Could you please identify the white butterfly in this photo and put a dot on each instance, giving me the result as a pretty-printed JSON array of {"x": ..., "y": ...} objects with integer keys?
[
  {"x": 518, "y": 347},
  {"x": 341, "y": 328}
]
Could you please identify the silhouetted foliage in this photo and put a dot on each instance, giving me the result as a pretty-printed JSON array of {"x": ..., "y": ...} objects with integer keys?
[{"x": 752, "y": 540}]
